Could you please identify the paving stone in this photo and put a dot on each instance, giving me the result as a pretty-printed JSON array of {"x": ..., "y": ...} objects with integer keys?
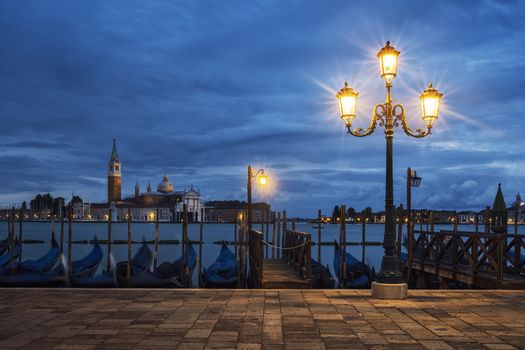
[{"x": 256, "y": 319}]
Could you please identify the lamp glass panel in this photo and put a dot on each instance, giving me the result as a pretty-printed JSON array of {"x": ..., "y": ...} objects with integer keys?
[
  {"x": 430, "y": 106},
  {"x": 263, "y": 180},
  {"x": 389, "y": 65},
  {"x": 348, "y": 105}
]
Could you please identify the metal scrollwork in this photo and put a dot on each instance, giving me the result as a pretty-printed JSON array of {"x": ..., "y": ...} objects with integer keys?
[{"x": 398, "y": 112}]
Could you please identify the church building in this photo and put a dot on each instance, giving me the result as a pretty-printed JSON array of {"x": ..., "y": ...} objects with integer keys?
[{"x": 143, "y": 206}]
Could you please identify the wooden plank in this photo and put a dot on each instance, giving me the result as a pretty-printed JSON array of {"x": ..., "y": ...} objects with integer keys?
[{"x": 277, "y": 274}]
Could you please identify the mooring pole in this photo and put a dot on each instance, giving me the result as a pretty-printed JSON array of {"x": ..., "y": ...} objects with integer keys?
[
  {"x": 201, "y": 235},
  {"x": 285, "y": 226},
  {"x": 278, "y": 232},
  {"x": 319, "y": 235},
  {"x": 343, "y": 242},
  {"x": 20, "y": 232},
  {"x": 70, "y": 240},
  {"x": 235, "y": 232},
  {"x": 128, "y": 272},
  {"x": 273, "y": 234},
  {"x": 62, "y": 231},
  {"x": 109, "y": 240},
  {"x": 363, "y": 239},
  {"x": 399, "y": 231},
  {"x": 156, "y": 248},
  {"x": 267, "y": 223}
]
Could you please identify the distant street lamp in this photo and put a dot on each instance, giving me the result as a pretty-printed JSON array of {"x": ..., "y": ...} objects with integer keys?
[
  {"x": 263, "y": 181},
  {"x": 412, "y": 181},
  {"x": 389, "y": 115}
]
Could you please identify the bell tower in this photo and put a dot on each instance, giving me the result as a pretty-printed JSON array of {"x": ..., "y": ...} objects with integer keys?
[{"x": 114, "y": 176}]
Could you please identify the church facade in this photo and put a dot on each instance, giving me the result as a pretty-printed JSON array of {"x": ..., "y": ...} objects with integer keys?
[{"x": 165, "y": 202}]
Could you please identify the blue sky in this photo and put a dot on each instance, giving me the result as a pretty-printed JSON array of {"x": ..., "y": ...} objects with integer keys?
[{"x": 200, "y": 89}]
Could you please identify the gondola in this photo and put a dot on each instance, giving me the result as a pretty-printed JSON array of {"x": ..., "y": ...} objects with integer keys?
[
  {"x": 223, "y": 273},
  {"x": 10, "y": 255},
  {"x": 321, "y": 276},
  {"x": 87, "y": 266},
  {"x": 57, "y": 277},
  {"x": 167, "y": 275},
  {"x": 43, "y": 264},
  {"x": 354, "y": 269},
  {"x": 3, "y": 245},
  {"x": 110, "y": 279},
  {"x": 141, "y": 261}
]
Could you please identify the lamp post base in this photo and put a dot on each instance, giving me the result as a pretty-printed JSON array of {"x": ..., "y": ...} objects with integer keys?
[{"x": 389, "y": 291}]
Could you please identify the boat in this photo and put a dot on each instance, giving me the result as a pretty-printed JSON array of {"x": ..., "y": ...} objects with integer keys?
[
  {"x": 10, "y": 255},
  {"x": 223, "y": 273},
  {"x": 57, "y": 277},
  {"x": 321, "y": 276},
  {"x": 141, "y": 261},
  {"x": 43, "y": 264},
  {"x": 167, "y": 275},
  {"x": 3, "y": 245},
  {"x": 354, "y": 270},
  {"x": 88, "y": 265}
]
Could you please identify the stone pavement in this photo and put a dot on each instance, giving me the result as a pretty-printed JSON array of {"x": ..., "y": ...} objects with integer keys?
[{"x": 259, "y": 319}]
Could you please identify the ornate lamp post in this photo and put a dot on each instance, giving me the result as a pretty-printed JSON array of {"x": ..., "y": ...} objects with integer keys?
[
  {"x": 389, "y": 115},
  {"x": 263, "y": 180}
]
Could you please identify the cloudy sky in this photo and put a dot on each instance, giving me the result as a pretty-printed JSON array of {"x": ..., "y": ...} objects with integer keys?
[{"x": 200, "y": 89}]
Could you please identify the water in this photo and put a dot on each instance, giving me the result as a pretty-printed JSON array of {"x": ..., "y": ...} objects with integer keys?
[{"x": 212, "y": 232}]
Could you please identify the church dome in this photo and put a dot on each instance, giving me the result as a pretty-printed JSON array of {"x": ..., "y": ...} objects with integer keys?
[
  {"x": 518, "y": 202},
  {"x": 165, "y": 186}
]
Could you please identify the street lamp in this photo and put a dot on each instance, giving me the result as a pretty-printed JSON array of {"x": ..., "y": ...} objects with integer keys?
[
  {"x": 412, "y": 181},
  {"x": 389, "y": 115},
  {"x": 263, "y": 181}
]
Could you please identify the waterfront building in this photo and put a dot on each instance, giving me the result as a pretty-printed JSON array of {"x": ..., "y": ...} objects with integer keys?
[
  {"x": 227, "y": 211},
  {"x": 143, "y": 206},
  {"x": 517, "y": 211}
]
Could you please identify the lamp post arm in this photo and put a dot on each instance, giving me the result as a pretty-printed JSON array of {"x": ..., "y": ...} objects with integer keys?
[
  {"x": 398, "y": 111},
  {"x": 254, "y": 176},
  {"x": 377, "y": 118}
]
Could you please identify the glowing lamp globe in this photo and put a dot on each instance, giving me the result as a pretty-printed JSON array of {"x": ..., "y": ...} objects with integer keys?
[
  {"x": 347, "y": 104},
  {"x": 430, "y": 100},
  {"x": 388, "y": 56}
]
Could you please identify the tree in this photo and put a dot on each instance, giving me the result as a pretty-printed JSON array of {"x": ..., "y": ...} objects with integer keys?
[{"x": 336, "y": 213}]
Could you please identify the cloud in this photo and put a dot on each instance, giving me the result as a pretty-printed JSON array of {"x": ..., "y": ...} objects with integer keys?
[{"x": 199, "y": 92}]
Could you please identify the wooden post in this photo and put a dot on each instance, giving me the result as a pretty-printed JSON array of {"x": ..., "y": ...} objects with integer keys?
[
  {"x": 235, "y": 232},
  {"x": 342, "y": 247},
  {"x": 241, "y": 253},
  {"x": 363, "y": 239},
  {"x": 455, "y": 222},
  {"x": 267, "y": 230},
  {"x": 52, "y": 229},
  {"x": 185, "y": 245},
  {"x": 273, "y": 235},
  {"x": 319, "y": 235},
  {"x": 278, "y": 232},
  {"x": 62, "y": 232},
  {"x": 487, "y": 219},
  {"x": 284, "y": 231},
  {"x": 201, "y": 234},
  {"x": 293, "y": 224},
  {"x": 70, "y": 239},
  {"x": 11, "y": 252},
  {"x": 128, "y": 272},
  {"x": 108, "y": 268},
  {"x": 476, "y": 222},
  {"x": 20, "y": 232},
  {"x": 156, "y": 247},
  {"x": 432, "y": 221}
]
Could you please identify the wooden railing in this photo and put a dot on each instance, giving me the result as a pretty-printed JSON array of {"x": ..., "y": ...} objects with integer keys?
[
  {"x": 297, "y": 251},
  {"x": 255, "y": 258},
  {"x": 471, "y": 253}
]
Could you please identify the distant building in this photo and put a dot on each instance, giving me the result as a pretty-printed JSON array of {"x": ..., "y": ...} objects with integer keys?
[
  {"x": 517, "y": 211},
  {"x": 143, "y": 206},
  {"x": 227, "y": 211}
]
